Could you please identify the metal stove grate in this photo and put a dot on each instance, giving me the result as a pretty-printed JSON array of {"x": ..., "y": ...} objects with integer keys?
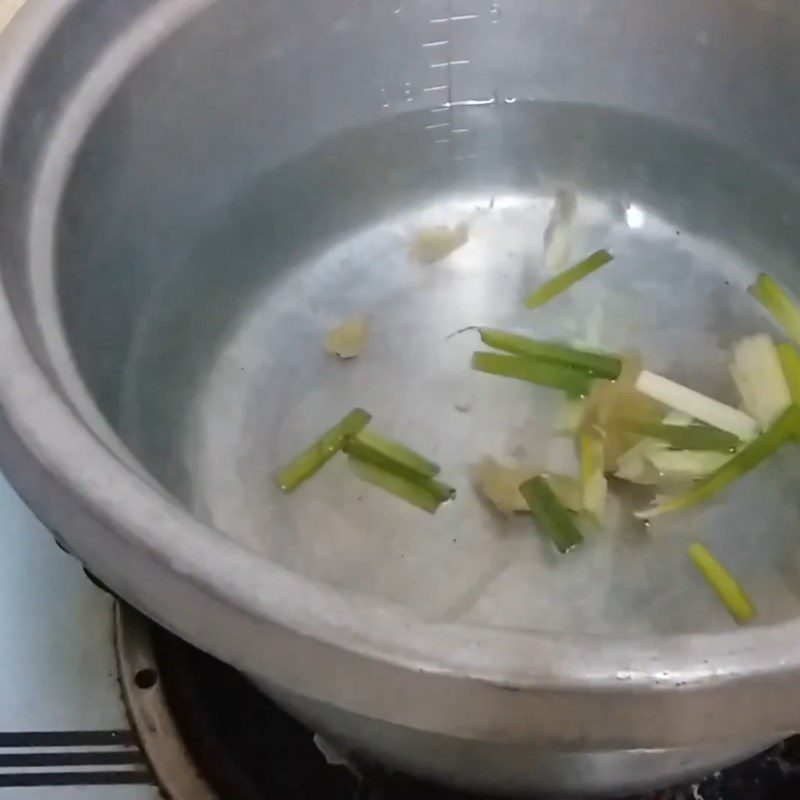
[{"x": 235, "y": 744}]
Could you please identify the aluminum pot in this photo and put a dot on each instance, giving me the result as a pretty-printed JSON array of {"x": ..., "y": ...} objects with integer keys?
[{"x": 191, "y": 191}]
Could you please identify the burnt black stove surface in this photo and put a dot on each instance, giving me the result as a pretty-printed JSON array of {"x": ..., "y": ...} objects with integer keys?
[{"x": 248, "y": 749}]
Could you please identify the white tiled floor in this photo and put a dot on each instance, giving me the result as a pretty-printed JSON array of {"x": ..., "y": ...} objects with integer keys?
[
  {"x": 61, "y": 629},
  {"x": 57, "y": 670}
]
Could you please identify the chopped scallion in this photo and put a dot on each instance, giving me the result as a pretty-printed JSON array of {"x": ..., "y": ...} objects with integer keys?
[
  {"x": 597, "y": 364},
  {"x": 361, "y": 451},
  {"x": 723, "y": 583},
  {"x": 790, "y": 362},
  {"x": 561, "y": 282},
  {"x": 550, "y": 514},
  {"x": 398, "y": 453},
  {"x": 747, "y": 459},
  {"x": 686, "y": 437},
  {"x": 783, "y": 307},
  {"x": 427, "y": 495},
  {"x": 316, "y": 456},
  {"x": 555, "y": 376}
]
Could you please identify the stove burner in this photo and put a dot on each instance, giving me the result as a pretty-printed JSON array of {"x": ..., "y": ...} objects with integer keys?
[{"x": 211, "y": 735}]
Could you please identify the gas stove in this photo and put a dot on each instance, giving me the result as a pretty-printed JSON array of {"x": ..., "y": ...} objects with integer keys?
[
  {"x": 100, "y": 703},
  {"x": 64, "y": 730}
]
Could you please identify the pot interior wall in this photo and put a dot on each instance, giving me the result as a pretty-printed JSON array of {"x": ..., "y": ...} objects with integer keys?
[{"x": 260, "y": 176}]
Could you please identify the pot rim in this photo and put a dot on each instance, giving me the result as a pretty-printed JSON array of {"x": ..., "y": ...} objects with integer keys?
[{"x": 63, "y": 445}]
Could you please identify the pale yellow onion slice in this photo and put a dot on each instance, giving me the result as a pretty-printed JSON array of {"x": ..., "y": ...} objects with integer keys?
[
  {"x": 759, "y": 377},
  {"x": 593, "y": 480},
  {"x": 348, "y": 339},
  {"x": 635, "y": 465},
  {"x": 439, "y": 241},
  {"x": 609, "y": 404},
  {"x": 570, "y": 417},
  {"x": 697, "y": 405},
  {"x": 499, "y": 484},
  {"x": 685, "y": 465}
]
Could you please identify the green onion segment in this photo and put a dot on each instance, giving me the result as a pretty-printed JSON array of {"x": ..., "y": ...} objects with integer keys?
[
  {"x": 398, "y": 453},
  {"x": 723, "y": 583},
  {"x": 686, "y": 437},
  {"x": 561, "y": 282},
  {"x": 555, "y": 376},
  {"x": 550, "y": 514},
  {"x": 420, "y": 494},
  {"x": 790, "y": 362},
  {"x": 783, "y": 307},
  {"x": 318, "y": 454},
  {"x": 360, "y": 451},
  {"x": 597, "y": 364},
  {"x": 747, "y": 459}
]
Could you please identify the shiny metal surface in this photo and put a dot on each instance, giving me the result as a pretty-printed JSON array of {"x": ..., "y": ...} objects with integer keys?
[
  {"x": 192, "y": 192},
  {"x": 521, "y": 767}
]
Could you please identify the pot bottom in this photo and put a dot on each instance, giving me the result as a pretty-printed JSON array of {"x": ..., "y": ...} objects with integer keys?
[{"x": 514, "y": 769}]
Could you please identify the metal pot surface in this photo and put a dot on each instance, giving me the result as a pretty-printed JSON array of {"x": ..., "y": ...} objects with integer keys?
[{"x": 192, "y": 192}]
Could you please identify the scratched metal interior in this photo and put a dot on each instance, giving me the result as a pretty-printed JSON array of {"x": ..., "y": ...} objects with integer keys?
[{"x": 267, "y": 198}]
